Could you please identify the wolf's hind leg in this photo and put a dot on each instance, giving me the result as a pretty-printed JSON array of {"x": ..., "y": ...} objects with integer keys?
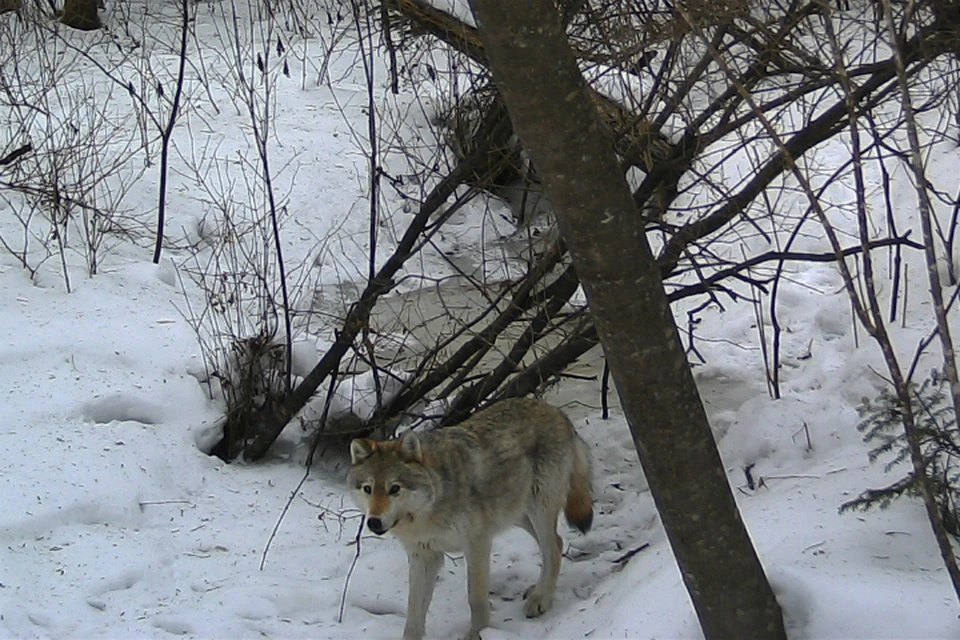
[
  {"x": 542, "y": 525},
  {"x": 424, "y": 567}
]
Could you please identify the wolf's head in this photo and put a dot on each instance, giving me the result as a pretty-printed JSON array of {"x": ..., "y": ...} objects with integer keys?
[{"x": 390, "y": 482}]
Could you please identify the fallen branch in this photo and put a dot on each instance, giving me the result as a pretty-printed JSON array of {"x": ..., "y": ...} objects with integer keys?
[
  {"x": 625, "y": 558},
  {"x": 271, "y": 420}
]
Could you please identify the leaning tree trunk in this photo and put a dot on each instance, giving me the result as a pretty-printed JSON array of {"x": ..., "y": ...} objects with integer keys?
[
  {"x": 81, "y": 14},
  {"x": 558, "y": 124}
]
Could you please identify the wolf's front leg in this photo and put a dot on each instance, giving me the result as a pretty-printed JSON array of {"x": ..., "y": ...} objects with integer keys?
[
  {"x": 478, "y": 585},
  {"x": 424, "y": 566}
]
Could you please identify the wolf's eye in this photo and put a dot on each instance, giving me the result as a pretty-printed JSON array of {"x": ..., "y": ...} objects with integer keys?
[
  {"x": 394, "y": 489},
  {"x": 367, "y": 489}
]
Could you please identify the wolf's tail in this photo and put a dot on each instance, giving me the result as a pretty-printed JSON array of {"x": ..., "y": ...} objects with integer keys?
[{"x": 579, "y": 507}]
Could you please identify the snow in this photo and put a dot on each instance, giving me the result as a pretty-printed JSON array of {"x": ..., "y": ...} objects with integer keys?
[{"x": 115, "y": 523}]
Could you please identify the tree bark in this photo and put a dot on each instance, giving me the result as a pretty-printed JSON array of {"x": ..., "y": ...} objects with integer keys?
[
  {"x": 81, "y": 14},
  {"x": 558, "y": 124}
]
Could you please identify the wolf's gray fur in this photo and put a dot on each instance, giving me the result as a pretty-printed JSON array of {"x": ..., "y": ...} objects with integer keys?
[{"x": 516, "y": 463}]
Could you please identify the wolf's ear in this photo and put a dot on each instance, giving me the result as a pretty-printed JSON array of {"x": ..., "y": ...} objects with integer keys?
[
  {"x": 361, "y": 449},
  {"x": 410, "y": 447}
]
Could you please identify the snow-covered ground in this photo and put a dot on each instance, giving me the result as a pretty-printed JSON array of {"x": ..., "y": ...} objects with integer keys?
[{"x": 115, "y": 523}]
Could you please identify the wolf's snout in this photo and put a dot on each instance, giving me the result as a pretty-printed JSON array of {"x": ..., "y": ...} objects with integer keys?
[{"x": 376, "y": 525}]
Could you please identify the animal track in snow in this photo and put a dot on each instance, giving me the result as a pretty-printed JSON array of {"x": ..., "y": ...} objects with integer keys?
[
  {"x": 122, "y": 407},
  {"x": 120, "y": 582},
  {"x": 173, "y": 624}
]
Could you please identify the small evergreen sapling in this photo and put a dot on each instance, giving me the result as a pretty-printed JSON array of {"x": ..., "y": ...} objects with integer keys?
[{"x": 881, "y": 423}]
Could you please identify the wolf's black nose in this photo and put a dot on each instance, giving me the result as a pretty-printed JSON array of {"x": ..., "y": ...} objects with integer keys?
[{"x": 376, "y": 525}]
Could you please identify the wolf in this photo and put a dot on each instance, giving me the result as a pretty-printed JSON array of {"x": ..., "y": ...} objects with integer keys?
[{"x": 516, "y": 463}]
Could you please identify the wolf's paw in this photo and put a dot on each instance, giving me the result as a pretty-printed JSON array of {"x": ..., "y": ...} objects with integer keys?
[{"x": 537, "y": 603}]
